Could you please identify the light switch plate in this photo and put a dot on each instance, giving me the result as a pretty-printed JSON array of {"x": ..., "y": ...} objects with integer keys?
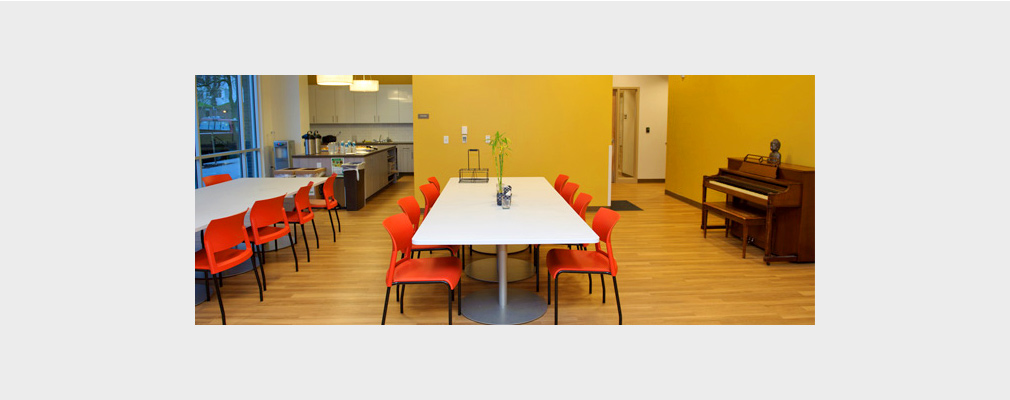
[
  {"x": 464, "y": 130},
  {"x": 445, "y": 139},
  {"x": 487, "y": 139}
]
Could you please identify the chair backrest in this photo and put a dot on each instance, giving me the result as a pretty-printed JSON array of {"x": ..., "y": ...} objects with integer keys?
[
  {"x": 559, "y": 183},
  {"x": 331, "y": 199},
  {"x": 430, "y": 193},
  {"x": 266, "y": 213},
  {"x": 434, "y": 181},
  {"x": 400, "y": 233},
  {"x": 568, "y": 193},
  {"x": 211, "y": 180},
  {"x": 603, "y": 225},
  {"x": 410, "y": 207},
  {"x": 581, "y": 204},
  {"x": 302, "y": 206},
  {"x": 225, "y": 233}
]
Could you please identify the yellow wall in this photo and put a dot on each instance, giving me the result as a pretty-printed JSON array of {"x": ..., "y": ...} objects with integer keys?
[
  {"x": 715, "y": 117},
  {"x": 557, "y": 124}
]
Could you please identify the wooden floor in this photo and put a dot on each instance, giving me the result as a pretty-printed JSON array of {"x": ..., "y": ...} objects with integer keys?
[{"x": 668, "y": 275}]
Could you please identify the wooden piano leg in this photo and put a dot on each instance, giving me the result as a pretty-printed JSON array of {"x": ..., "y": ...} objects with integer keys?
[
  {"x": 769, "y": 239},
  {"x": 704, "y": 221},
  {"x": 744, "y": 237},
  {"x": 727, "y": 224}
]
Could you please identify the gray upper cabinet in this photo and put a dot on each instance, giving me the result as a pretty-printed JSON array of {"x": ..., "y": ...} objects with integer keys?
[{"x": 337, "y": 104}]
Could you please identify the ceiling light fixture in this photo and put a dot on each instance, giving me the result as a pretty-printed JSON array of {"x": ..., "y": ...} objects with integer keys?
[
  {"x": 364, "y": 85},
  {"x": 334, "y": 80}
]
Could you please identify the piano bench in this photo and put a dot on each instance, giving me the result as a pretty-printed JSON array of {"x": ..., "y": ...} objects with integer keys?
[{"x": 745, "y": 217}]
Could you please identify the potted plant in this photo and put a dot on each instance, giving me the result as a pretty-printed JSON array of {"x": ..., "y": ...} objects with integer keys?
[{"x": 500, "y": 146}]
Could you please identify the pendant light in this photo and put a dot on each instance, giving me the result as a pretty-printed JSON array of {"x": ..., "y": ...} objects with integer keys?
[
  {"x": 364, "y": 85},
  {"x": 334, "y": 80}
]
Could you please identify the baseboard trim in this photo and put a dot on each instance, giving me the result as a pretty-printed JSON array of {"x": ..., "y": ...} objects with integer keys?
[
  {"x": 684, "y": 199},
  {"x": 652, "y": 181}
]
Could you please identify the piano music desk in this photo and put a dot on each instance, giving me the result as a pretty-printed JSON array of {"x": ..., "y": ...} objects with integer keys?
[{"x": 743, "y": 216}]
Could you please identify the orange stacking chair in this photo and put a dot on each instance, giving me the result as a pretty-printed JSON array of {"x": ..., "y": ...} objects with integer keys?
[
  {"x": 301, "y": 214},
  {"x": 329, "y": 202},
  {"x": 430, "y": 192},
  {"x": 434, "y": 181},
  {"x": 413, "y": 210},
  {"x": 264, "y": 215},
  {"x": 404, "y": 270},
  {"x": 219, "y": 253},
  {"x": 581, "y": 204},
  {"x": 559, "y": 183},
  {"x": 215, "y": 179},
  {"x": 598, "y": 261},
  {"x": 568, "y": 193}
]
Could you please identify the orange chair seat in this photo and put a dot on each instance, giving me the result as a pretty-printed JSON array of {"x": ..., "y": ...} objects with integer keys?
[
  {"x": 561, "y": 260},
  {"x": 266, "y": 234},
  {"x": 226, "y": 258},
  {"x": 321, "y": 203},
  {"x": 295, "y": 216},
  {"x": 441, "y": 269},
  {"x": 454, "y": 249}
]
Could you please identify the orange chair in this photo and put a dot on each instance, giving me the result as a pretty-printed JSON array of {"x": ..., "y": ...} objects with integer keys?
[
  {"x": 404, "y": 270},
  {"x": 329, "y": 202},
  {"x": 215, "y": 179},
  {"x": 301, "y": 214},
  {"x": 559, "y": 183},
  {"x": 413, "y": 210},
  {"x": 597, "y": 261},
  {"x": 581, "y": 204},
  {"x": 430, "y": 192},
  {"x": 219, "y": 253},
  {"x": 264, "y": 216},
  {"x": 434, "y": 181},
  {"x": 568, "y": 193}
]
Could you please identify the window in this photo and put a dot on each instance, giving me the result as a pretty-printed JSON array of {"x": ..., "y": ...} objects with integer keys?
[{"x": 227, "y": 130}]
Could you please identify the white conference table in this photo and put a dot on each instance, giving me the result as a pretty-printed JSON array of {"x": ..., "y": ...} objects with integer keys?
[
  {"x": 467, "y": 214},
  {"x": 234, "y": 196}
]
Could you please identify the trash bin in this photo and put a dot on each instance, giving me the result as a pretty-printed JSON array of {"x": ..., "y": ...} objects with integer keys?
[{"x": 354, "y": 186}]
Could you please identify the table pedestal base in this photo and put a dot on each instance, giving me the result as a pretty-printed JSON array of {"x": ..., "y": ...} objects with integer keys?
[
  {"x": 523, "y": 306},
  {"x": 486, "y": 270},
  {"x": 491, "y": 249}
]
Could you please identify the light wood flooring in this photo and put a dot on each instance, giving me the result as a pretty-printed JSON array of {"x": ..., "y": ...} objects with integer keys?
[{"x": 668, "y": 275}]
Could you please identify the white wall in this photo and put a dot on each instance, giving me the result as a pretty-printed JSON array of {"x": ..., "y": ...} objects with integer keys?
[
  {"x": 284, "y": 112},
  {"x": 652, "y": 108}
]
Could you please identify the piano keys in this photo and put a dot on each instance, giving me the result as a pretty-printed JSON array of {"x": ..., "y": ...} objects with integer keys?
[{"x": 787, "y": 201}]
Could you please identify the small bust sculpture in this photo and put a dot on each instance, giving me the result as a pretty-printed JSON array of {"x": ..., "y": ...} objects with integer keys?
[{"x": 775, "y": 157}]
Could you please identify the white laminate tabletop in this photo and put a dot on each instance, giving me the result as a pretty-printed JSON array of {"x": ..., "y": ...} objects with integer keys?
[
  {"x": 466, "y": 213},
  {"x": 234, "y": 196}
]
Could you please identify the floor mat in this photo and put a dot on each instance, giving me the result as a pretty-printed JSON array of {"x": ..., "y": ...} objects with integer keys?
[{"x": 623, "y": 205}]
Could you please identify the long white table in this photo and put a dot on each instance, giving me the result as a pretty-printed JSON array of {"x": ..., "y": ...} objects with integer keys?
[
  {"x": 231, "y": 197},
  {"x": 467, "y": 214}
]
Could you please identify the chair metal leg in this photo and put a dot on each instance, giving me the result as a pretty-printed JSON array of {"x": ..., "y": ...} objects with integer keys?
[
  {"x": 338, "y": 219},
  {"x": 620, "y": 317},
  {"x": 385, "y": 305},
  {"x": 314, "y": 232},
  {"x": 332, "y": 229},
  {"x": 308, "y": 255},
  {"x": 549, "y": 286},
  {"x": 292, "y": 246},
  {"x": 206, "y": 284},
  {"x": 402, "y": 297},
  {"x": 604, "y": 289},
  {"x": 220, "y": 303},
  {"x": 590, "y": 276},
  {"x": 459, "y": 296},
  {"x": 555, "y": 300},
  {"x": 450, "y": 304},
  {"x": 259, "y": 285}
]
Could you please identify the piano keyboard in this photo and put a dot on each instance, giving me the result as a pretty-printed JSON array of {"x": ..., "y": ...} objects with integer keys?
[{"x": 738, "y": 190}]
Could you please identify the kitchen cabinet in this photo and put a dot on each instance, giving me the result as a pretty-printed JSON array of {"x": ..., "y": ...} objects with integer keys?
[
  {"x": 337, "y": 104},
  {"x": 330, "y": 104},
  {"x": 405, "y": 158}
]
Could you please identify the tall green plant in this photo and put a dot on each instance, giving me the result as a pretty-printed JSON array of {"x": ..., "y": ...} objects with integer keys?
[{"x": 500, "y": 146}]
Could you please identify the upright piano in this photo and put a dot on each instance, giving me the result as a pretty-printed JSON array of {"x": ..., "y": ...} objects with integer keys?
[{"x": 784, "y": 194}]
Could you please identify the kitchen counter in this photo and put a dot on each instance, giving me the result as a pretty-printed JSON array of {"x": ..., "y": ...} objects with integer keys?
[{"x": 380, "y": 166}]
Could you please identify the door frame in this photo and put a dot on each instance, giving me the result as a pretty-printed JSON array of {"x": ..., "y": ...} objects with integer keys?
[{"x": 615, "y": 120}]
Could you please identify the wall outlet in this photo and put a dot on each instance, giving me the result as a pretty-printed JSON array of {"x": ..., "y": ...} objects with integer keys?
[
  {"x": 445, "y": 139},
  {"x": 464, "y": 130},
  {"x": 487, "y": 139},
  {"x": 464, "y": 139}
]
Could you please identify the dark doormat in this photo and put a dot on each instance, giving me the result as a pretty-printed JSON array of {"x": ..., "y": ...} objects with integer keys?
[{"x": 623, "y": 205}]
